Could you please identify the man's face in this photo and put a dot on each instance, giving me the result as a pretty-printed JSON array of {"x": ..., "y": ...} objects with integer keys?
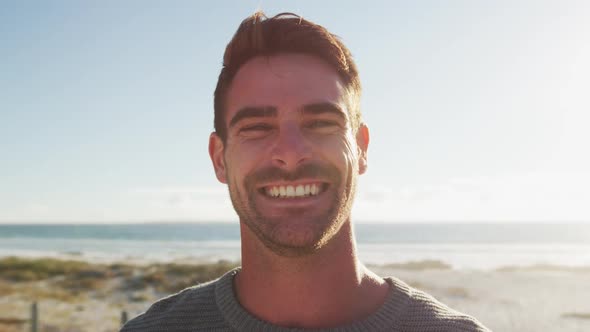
[{"x": 291, "y": 157}]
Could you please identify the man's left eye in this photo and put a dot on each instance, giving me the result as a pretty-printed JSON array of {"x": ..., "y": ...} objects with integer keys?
[{"x": 322, "y": 124}]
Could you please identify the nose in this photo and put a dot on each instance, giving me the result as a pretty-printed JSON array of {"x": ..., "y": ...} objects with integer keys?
[{"x": 291, "y": 147}]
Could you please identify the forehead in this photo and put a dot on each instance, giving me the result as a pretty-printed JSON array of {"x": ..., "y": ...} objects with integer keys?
[{"x": 286, "y": 82}]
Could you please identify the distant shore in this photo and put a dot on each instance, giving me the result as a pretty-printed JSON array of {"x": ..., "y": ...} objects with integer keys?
[
  {"x": 73, "y": 294},
  {"x": 462, "y": 246}
]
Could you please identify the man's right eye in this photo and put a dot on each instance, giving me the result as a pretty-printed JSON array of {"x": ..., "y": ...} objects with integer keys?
[{"x": 257, "y": 129}]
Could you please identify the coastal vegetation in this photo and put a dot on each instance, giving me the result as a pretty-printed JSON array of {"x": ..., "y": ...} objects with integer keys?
[
  {"x": 66, "y": 279},
  {"x": 73, "y": 294}
]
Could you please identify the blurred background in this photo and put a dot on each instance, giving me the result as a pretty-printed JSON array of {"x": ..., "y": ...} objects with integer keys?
[{"x": 477, "y": 188}]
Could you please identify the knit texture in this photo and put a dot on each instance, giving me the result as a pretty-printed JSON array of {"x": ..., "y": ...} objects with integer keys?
[{"x": 213, "y": 306}]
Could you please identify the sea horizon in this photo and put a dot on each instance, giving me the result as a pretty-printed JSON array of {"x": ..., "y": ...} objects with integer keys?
[{"x": 480, "y": 246}]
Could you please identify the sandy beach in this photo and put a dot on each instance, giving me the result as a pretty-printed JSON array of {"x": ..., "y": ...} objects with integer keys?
[{"x": 82, "y": 296}]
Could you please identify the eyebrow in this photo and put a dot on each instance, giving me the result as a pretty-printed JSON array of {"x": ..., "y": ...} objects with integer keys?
[
  {"x": 320, "y": 108},
  {"x": 271, "y": 111},
  {"x": 253, "y": 112}
]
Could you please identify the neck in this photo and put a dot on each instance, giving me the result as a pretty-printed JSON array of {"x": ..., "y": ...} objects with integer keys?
[{"x": 325, "y": 289}]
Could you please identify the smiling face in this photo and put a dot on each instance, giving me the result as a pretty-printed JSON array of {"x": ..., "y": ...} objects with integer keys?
[{"x": 292, "y": 156}]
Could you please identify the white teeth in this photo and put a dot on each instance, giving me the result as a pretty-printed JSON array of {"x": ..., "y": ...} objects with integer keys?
[
  {"x": 299, "y": 191},
  {"x": 290, "y": 191},
  {"x": 293, "y": 191}
]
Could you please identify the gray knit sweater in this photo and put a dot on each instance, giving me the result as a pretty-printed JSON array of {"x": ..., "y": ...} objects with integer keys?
[{"x": 214, "y": 307}]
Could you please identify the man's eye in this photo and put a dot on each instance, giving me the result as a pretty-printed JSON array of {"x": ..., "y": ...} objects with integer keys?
[
  {"x": 322, "y": 124},
  {"x": 255, "y": 129}
]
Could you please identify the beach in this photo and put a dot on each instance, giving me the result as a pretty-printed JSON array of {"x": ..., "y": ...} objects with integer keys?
[{"x": 77, "y": 295}]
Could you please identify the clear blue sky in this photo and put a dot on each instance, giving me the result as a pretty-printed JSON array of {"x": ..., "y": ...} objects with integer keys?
[{"x": 479, "y": 111}]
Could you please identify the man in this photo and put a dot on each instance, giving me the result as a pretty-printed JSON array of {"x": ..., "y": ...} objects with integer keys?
[{"x": 289, "y": 142}]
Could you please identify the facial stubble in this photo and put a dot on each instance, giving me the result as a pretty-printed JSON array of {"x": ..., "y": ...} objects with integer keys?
[{"x": 269, "y": 230}]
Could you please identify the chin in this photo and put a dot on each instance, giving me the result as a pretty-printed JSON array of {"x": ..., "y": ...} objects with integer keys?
[{"x": 296, "y": 238}]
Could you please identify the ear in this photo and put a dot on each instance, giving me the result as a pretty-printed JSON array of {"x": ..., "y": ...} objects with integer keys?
[
  {"x": 362, "y": 142},
  {"x": 216, "y": 153}
]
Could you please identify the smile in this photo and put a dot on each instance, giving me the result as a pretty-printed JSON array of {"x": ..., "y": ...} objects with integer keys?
[{"x": 292, "y": 191}]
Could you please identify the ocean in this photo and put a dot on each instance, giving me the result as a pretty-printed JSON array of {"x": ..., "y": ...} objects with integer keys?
[{"x": 463, "y": 246}]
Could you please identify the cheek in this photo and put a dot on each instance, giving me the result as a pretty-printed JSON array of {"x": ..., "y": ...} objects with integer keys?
[
  {"x": 240, "y": 160},
  {"x": 341, "y": 151},
  {"x": 349, "y": 151}
]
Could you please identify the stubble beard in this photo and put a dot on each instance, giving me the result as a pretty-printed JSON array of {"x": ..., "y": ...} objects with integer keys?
[{"x": 275, "y": 232}]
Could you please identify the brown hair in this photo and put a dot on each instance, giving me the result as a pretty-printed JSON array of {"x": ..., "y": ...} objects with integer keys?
[{"x": 259, "y": 35}]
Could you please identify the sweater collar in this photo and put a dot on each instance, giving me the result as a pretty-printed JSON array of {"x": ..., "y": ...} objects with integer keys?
[{"x": 388, "y": 317}]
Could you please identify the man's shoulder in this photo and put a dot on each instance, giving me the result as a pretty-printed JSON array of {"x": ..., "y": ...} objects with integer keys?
[
  {"x": 423, "y": 312},
  {"x": 181, "y": 311}
]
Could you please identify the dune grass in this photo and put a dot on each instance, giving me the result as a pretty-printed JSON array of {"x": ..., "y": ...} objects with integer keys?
[
  {"x": 23, "y": 269},
  {"x": 65, "y": 279},
  {"x": 174, "y": 277},
  {"x": 420, "y": 265},
  {"x": 576, "y": 315}
]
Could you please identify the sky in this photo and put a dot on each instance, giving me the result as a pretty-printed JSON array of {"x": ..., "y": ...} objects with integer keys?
[{"x": 478, "y": 110}]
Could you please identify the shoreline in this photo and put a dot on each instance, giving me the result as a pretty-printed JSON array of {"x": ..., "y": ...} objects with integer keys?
[{"x": 411, "y": 264}]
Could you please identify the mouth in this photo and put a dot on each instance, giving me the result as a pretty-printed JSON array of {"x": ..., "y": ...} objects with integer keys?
[{"x": 294, "y": 190}]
